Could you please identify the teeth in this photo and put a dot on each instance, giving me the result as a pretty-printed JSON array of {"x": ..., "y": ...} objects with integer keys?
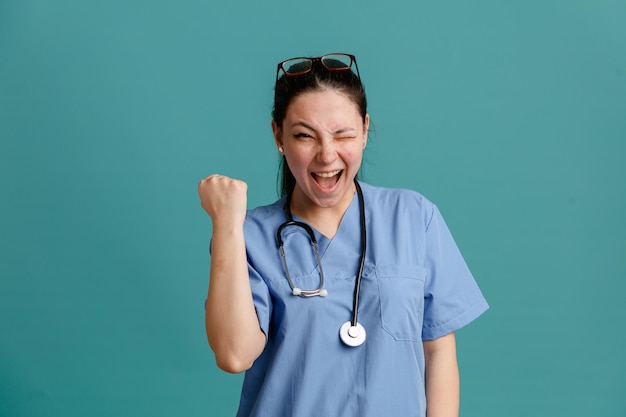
[{"x": 327, "y": 174}]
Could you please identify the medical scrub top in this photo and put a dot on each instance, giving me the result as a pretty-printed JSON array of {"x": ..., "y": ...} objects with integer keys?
[{"x": 415, "y": 286}]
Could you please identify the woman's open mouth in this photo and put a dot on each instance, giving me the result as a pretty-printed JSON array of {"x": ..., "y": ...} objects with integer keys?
[{"x": 327, "y": 179}]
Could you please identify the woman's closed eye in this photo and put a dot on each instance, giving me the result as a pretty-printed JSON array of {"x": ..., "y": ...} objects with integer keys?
[{"x": 302, "y": 135}]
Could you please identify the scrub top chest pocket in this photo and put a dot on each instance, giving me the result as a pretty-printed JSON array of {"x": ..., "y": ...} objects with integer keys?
[{"x": 401, "y": 289}]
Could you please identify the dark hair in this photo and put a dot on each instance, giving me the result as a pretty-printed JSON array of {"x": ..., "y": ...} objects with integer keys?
[{"x": 318, "y": 78}]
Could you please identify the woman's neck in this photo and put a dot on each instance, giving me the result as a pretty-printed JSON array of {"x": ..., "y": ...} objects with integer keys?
[{"x": 325, "y": 219}]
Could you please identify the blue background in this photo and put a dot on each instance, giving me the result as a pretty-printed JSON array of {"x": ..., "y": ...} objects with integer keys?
[{"x": 511, "y": 116}]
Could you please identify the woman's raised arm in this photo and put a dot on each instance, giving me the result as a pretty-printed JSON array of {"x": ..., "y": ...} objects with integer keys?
[{"x": 232, "y": 325}]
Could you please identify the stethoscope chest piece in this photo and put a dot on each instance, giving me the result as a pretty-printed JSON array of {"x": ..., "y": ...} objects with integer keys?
[{"x": 352, "y": 335}]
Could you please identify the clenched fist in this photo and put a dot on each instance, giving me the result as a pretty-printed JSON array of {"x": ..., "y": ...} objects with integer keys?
[{"x": 224, "y": 198}]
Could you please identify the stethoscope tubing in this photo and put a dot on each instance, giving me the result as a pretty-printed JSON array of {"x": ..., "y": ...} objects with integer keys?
[{"x": 357, "y": 284}]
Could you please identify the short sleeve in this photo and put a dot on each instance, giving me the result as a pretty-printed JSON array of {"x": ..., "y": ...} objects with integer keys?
[
  {"x": 261, "y": 298},
  {"x": 452, "y": 298}
]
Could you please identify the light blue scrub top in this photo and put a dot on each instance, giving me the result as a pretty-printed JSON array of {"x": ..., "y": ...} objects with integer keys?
[{"x": 415, "y": 286}]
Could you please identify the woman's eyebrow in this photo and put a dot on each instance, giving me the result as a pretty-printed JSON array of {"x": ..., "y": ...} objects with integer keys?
[
  {"x": 336, "y": 132},
  {"x": 344, "y": 130},
  {"x": 302, "y": 124}
]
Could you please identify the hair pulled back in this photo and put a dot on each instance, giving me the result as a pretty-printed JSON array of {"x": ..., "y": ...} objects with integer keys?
[{"x": 318, "y": 78}]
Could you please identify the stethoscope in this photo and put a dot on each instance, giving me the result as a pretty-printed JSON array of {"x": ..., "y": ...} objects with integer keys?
[{"x": 352, "y": 333}]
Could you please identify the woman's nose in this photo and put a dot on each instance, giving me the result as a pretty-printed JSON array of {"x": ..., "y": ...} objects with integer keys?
[{"x": 327, "y": 152}]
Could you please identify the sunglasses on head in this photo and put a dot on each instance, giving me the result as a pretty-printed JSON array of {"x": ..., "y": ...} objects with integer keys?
[{"x": 331, "y": 62}]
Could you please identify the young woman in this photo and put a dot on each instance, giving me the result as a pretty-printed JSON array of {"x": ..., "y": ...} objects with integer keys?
[{"x": 341, "y": 298}]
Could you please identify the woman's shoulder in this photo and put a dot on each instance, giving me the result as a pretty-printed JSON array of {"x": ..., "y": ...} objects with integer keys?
[
  {"x": 393, "y": 197},
  {"x": 265, "y": 217},
  {"x": 268, "y": 210}
]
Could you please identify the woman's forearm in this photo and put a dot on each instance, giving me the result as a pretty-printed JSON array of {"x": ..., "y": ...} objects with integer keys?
[
  {"x": 232, "y": 325},
  {"x": 442, "y": 377}
]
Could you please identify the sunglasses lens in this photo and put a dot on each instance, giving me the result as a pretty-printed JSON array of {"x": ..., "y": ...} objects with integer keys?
[
  {"x": 337, "y": 61},
  {"x": 297, "y": 66}
]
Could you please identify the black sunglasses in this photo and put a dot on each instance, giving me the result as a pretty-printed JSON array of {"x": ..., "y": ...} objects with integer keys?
[{"x": 332, "y": 62}]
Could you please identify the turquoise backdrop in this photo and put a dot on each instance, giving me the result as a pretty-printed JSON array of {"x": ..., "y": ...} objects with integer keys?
[{"x": 511, "y": 116}]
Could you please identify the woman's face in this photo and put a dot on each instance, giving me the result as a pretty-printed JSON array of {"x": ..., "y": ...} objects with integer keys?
[{"x": 323, "y": 136}]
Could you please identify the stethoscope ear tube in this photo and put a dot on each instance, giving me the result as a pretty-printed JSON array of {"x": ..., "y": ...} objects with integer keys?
[{"x": 319, "y": 291}]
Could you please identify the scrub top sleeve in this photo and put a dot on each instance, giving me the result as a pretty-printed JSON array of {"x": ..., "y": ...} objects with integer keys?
[
  {"x": 452, "y": 298},
  {"x": 261, "y": 298}
]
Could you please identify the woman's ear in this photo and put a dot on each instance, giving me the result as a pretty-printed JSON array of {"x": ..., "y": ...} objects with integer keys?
[{"x": 278, "y": 136}]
